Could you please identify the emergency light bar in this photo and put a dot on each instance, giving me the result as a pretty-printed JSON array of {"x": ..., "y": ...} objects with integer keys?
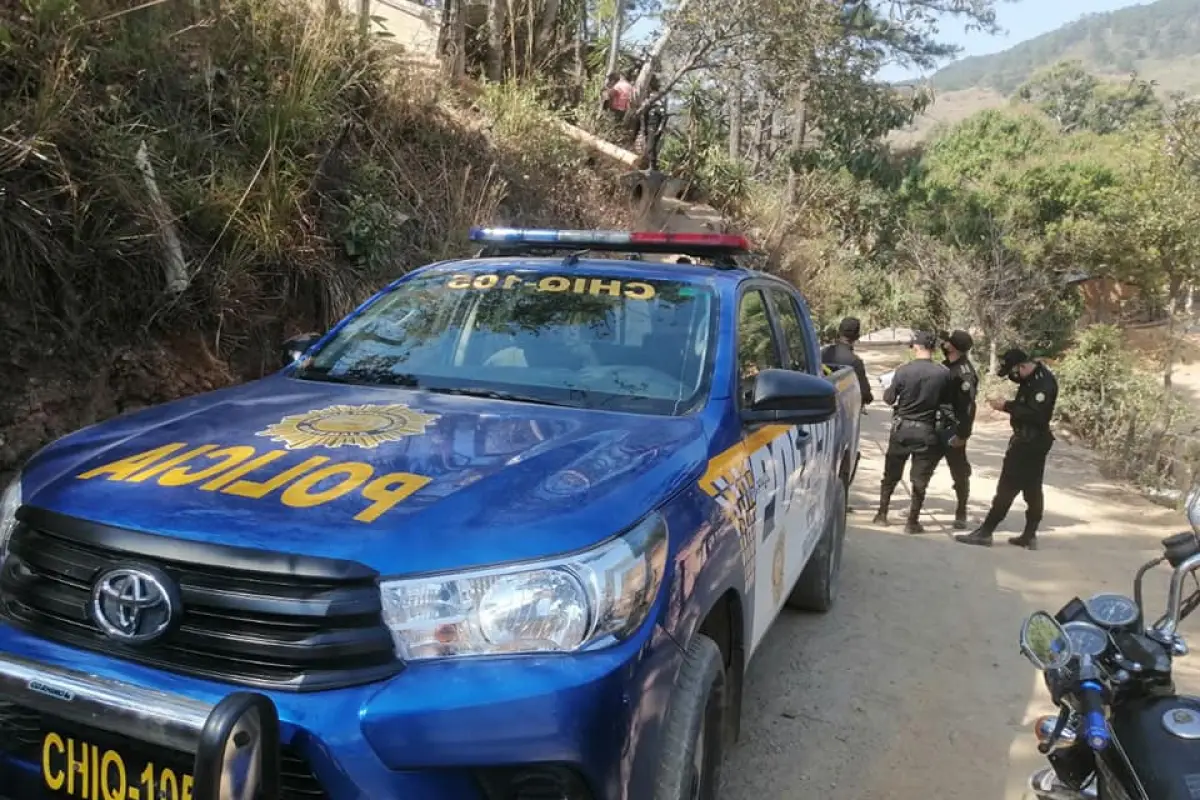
[{"x": 692, "y": 244}]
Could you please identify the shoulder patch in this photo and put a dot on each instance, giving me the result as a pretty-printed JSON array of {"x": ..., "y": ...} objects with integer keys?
[
  {"x": 966, "y": 386},
  {"x": 1040, "y": 397}
]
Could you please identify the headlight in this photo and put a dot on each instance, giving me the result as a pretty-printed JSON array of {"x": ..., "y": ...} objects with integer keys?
[
  {"x": 583, "y": 600},
  {"x": 10, "y": 501}
]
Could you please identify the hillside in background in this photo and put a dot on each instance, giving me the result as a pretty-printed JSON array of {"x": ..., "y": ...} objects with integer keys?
[{"x": 1159, "y": 41}]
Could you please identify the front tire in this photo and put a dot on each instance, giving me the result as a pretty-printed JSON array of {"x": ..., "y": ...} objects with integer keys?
[
  {"x": 817, "y": 588},
  {"x": 693, "y": 745}
]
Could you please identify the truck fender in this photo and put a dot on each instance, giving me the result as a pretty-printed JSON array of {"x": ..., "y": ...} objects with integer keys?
[{"x": 713, "y": 602}]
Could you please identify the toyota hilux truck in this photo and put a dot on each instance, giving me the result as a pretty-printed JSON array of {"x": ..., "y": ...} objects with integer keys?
[{"x": 512, "y": 530}]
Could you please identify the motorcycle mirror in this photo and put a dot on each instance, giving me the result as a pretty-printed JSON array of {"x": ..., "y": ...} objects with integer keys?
[
  {"x": 1044, "y": 642},
  {"x": 1193, "y": 508},
  {"x": 238, "y": 754}
]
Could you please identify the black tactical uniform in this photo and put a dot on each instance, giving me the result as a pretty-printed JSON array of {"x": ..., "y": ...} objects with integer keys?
[
  {"x": 841, "y": 354},
  {"x": 1024, "y": 466},
  {"x": 965, "y": 383},
  {"x": 918, "y": 392}
]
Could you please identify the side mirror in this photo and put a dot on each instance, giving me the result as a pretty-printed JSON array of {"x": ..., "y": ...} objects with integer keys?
[
  {"x": 1044, "y": 642},
  {"x": 1193, "y": 508},
  {"x": 238, "y": 754},
  {"x": 297, "y": 346},
  {"x": 789, "y": 397}
]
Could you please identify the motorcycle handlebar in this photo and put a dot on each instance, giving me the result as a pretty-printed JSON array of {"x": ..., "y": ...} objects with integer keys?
[
  {"x": 1170, "y": 621},
  {"x": 1180, "y": 547},
  {"x": 1095, "y": 728}
]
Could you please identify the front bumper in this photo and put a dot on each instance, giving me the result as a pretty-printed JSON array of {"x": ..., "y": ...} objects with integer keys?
[
  {"x": 157, "y": 718},
  {"x": 440, "y": 730}
]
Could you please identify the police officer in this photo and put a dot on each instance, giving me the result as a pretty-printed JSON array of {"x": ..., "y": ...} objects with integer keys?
[
  {"x": 841, "y": 354},
  {"x": 965, "y": 383},
  {"x": 1025, "y": 461},
  {"x": 917, "y": 393}
]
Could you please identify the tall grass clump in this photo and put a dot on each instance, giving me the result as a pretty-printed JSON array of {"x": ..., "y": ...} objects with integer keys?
[{"x": 299, "y": 165}]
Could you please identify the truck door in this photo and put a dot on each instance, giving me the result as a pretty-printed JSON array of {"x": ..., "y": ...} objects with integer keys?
[
  {"x": 817, "y": 469},
  {"x": 776, "y": 458}
]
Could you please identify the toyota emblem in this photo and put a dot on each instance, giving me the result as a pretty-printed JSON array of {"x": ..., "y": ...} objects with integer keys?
[{"x": 134, "y": 605}]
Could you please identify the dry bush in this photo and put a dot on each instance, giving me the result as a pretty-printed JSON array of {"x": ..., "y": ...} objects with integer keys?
[{"x": 1144, "y": 432}]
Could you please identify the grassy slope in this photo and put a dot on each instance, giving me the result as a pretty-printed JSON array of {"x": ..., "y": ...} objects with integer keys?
[
  {"x": 303, "y": 169},
  {"x": 1160, "y": 41}
]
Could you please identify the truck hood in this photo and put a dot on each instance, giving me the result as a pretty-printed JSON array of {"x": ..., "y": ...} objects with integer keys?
[{"x": 403, "y": 481}]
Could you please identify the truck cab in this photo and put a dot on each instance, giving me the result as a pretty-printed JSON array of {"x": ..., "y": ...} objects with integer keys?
[{"x": 511, "y": 530}]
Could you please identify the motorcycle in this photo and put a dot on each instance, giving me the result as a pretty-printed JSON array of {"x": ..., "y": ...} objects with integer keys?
[{"x": 1122, "y": 732}]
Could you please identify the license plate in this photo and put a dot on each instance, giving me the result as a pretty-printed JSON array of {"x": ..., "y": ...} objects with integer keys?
[{"x": 74, "y": 767}]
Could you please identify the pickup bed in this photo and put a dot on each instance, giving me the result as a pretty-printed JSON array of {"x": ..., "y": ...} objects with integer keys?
[{"x": 513, "y": 529}]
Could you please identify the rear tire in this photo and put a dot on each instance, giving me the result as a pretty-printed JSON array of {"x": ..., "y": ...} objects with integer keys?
[
  {"x": 817, "y": 587},
  {"x": 693, "y": 741}
]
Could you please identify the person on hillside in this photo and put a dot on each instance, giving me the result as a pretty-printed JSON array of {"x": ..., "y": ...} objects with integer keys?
[
  {"x": 955, "y": 347},
  {"x": 610, "y": 81},
  {"x": 918, "y": 392},
  {"x": 615, "y": 98},
  {"x": 841, "y": 354},
  {"x": 1024, "y": 465},
  {"x": 652, "y": 127}
]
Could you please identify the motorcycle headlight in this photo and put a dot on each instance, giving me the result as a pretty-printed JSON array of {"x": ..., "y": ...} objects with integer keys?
[
  {"x": 583, "y": 600},
  {"x": 10, "y": 501}
]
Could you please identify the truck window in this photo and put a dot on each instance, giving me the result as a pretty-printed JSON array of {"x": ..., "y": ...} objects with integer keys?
[
  {"x": 757, "y": 349},
  {"x": 572, "y": 339},
  {"x": 793, "y": 330}
]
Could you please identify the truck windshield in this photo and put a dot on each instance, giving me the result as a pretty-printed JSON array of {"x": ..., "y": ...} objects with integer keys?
[{"x": 572, "y": 339}]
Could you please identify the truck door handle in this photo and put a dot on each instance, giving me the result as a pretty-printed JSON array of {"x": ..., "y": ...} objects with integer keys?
[{"x": 801, "y": 437}]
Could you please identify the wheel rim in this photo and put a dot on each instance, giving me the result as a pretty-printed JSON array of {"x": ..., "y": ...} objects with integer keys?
[{"x": 699, "y": 760}]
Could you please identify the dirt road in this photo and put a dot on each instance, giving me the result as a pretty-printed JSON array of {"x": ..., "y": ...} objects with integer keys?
[{"x": 912, "y": 688}]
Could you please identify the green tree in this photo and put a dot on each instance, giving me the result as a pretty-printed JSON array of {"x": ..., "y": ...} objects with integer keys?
[{"x": 1077, "y": 100}]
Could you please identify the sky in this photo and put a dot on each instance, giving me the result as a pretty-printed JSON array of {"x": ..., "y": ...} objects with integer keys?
[{"x": 1021, "y": 20}]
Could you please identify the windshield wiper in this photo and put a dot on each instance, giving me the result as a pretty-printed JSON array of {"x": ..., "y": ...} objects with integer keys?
[
  {"x": 493, "y": 394},
  {"x": 362, "y": 378}
]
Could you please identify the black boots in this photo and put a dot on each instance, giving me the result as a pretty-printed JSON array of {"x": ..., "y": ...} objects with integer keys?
[
  {"x": 1028, "y": 538},
  {"x": 913, "y": 523},
  {"x": 960, "y": 513},
  {"x": 981, "y": 536},
  {"x": 885, "y": 500}
]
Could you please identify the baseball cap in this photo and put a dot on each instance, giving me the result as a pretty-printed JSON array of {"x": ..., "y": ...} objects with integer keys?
[
  {"x": 1011, "y": 358},
  {"x": 961, "y": 340},
  {"x": 850, "y": 327},
  {"x": 924, "y": 339}
]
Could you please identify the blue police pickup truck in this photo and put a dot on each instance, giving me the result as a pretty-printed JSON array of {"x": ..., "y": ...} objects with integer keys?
[{"x": 510, "y": 531}]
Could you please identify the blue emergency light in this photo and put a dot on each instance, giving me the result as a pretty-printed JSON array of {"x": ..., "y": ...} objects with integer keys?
[{"x": 698, "y": 244}]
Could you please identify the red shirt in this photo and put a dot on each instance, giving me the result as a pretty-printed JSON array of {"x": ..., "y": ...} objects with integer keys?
[{"x": 619, "y": 95}]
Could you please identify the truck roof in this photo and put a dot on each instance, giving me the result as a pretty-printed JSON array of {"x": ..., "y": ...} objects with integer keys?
[
  {"x": 690, "y": 273},
  {"x": 691, "y": 257}
]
